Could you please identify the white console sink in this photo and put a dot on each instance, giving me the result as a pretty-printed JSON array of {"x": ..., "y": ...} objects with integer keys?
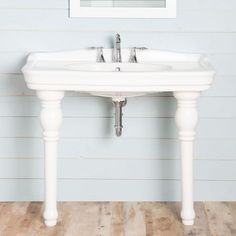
[{"x": 51, "y": 74}]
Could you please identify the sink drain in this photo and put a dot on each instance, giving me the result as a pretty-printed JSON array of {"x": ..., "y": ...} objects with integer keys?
[
  {"x": 119, "y": 104},
  {"x": 117, "y": 69}
]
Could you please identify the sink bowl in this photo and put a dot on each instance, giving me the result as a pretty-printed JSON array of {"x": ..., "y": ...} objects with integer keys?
[
  {"x": 157, "y": 71},
  {"x": 117, "y": 67}
]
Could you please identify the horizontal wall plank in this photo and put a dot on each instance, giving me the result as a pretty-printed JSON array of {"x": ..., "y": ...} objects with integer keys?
[
  {"x": 104, "y": 127},
  {"x": 14, "y": 85},
  {"x": 206, "y": 4},
  {"x": 222, "y": 86},
  {"x": 34, "y": 4},
  {"x": 117, "y": 149},
  {"x": 58, "y": 20},
  {"x": 118, "y": 169},
  {"x": 177, "y": 41},
  {"x": 119, "y": 190},
  {"x": 63, "y": 4},
  {"x": 163, "y": 107},
  {"x": 12, "y": 62},
  {"x": 223, "y": 63}
]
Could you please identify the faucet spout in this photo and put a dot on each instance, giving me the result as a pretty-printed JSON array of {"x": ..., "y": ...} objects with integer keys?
[{"x": 117, "y": 49}]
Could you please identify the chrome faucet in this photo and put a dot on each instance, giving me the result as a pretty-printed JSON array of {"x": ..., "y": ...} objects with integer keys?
[{"x": 117, "y": 50}]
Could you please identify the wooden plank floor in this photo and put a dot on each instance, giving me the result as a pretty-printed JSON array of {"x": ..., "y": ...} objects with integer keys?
[{"x": 118, "y": 219}]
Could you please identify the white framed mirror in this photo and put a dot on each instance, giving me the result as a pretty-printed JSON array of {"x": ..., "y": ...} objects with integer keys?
[{"x": 123, "y": 8}]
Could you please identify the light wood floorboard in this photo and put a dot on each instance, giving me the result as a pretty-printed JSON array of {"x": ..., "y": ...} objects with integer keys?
[{"x": 118, "y": 219}]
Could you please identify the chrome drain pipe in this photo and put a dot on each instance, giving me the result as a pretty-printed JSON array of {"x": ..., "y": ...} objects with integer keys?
[{"x": 118, "y": 104}]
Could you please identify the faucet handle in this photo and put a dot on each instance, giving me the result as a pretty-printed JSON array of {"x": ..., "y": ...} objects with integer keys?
[
  {"x": 133, "y": 55},
  {"x": 100, "y": 57}
]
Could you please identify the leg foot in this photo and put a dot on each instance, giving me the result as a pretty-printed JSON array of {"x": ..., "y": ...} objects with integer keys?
[
  {"x": 50, "y": 214},
  {"x": 188, "y": 222},
  {"x": 188, "y": 216},
  {"x": 50, "y": 223}
]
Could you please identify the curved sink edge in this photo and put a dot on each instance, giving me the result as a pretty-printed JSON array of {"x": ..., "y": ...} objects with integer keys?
[{"x": 119, "y": 94}]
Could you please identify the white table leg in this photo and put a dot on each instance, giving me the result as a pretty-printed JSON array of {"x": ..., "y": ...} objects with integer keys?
[
  {"x": 186, "y": 120},
  {"x": 51, "y": 119}
]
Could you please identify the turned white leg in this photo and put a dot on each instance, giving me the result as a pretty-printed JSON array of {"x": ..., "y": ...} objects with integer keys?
[
  {"x": 51, "y": 119},
  {"x": 186, "y": 120}
]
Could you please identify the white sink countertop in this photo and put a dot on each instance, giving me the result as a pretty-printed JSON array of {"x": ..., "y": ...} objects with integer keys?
[{"x": 157, "y": 71}]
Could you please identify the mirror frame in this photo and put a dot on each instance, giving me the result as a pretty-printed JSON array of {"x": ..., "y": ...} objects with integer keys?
[{"x": 123, "y": 12}]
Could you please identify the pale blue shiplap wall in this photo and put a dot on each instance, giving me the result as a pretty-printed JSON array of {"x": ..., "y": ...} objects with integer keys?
[{"x": 144, "y": 163}]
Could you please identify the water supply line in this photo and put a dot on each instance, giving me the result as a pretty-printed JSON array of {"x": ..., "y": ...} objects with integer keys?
[{"x": 119, "y": 103}]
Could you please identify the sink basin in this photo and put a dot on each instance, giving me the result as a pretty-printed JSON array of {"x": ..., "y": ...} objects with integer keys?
[
  {"x": 117, "y": 67},
  {"x": 157, "y": 71}
]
